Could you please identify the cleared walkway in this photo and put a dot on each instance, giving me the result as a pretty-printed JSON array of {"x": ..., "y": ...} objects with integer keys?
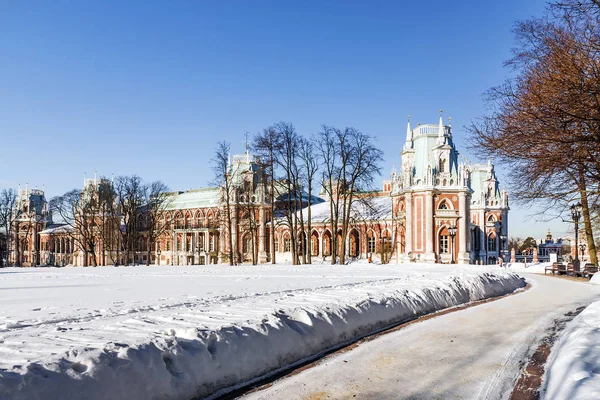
[{"x": 469, "y": 354}]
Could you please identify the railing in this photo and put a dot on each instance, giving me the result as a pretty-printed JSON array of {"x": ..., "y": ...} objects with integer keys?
[{"x": 446, "y": 213}]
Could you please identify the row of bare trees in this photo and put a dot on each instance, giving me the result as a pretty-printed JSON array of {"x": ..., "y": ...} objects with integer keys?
[
  {"x": 7, "y": 204},
  {"x": 545, "y": 121},
  {"x": 342, "y": 162},
  {"x": 125, "y": 216}
]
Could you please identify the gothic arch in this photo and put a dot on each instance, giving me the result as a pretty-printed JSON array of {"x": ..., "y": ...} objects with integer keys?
[
  {"x": 327, "y": 243},
  {"x": 444, "y": 204},
  {"x": 443, "y": 240},
  {"x": 354, "y": 243},
  {"x": 314, "y": 243}
]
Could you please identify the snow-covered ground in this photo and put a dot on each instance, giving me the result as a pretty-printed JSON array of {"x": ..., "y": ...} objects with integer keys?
[
  {"x": 573, "y": 368},
  {"x": 534, "y": 268},
  {"x": 179, "y": 332}
]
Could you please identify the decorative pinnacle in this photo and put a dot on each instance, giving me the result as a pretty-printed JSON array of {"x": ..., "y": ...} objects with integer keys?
[
  {"x": 408, "y": 117},
  {"x": 441, "y": 112}
]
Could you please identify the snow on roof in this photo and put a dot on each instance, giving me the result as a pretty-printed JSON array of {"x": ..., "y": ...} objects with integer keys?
[
  {"x": 57, "y": 228},
  {"x": 198, "y": 198},
  {"x": 363, "y": 209}
]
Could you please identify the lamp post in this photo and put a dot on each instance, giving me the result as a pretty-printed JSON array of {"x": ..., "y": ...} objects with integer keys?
[
  {"x": 502, "y": 245},
  {"x": 576, "y": 215},
  {"x": 452, "y": 233},
  {"x": 582, "y": 247},
  {"x": 158, "y": 254}
]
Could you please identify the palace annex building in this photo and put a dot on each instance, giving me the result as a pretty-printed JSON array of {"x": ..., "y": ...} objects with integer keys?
[{"x": 435, "y": 209}]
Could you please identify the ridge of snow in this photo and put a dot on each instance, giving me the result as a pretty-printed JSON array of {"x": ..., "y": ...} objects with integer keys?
[
  {"x": 202, "y": 345},
  {"x": 573, "y": 368}
]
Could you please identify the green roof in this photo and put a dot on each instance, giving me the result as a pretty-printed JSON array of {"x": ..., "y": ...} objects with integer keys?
[{"x": 197, "y": 198}]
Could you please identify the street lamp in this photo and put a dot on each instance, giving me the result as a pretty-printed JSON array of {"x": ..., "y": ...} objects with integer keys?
[
  {"x": 158, "y": 254},
  {"x": 576, "y": 215},
  {"x": 582, "y": 247},
  {"x": 502, "y": 244},
  {"x": 452, "y": 233}
]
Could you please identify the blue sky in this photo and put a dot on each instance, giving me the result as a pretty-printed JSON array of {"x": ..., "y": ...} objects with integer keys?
[{"x": 150, "y": 87}]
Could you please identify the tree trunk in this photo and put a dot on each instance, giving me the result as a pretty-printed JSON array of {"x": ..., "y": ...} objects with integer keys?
[{"x": 587, "y": 222}]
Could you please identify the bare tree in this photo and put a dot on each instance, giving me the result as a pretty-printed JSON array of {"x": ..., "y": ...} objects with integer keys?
[
  {"x": 545, "y": 122},
  {"x": 223, "y": 178},
  {"x": 80, "y": 211},
  {"x": 289, "y": 190},
  {"x": 266, "y": 144},
  {"x": 351, "y": 162},
  {"x": 329, "y": 156},
  {"x": 109, "y": 223},
  {"x": 310, "y": 166},
  {"x": 7, "y": 204},
  {"x": 156, "y": 203},
  {"x": 130, "y": 198}
]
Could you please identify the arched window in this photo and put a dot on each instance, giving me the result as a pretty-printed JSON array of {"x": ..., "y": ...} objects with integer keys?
[
  {"x": 492, "y": 242},
  {"x": 276, "y": 244},
  {"x": 371, "y": 243},
  {"x": 444, "y": 241},
  {"x": 442, "y": 165},
  {"x": 491, "y": 218},
  {"x": 315, "y": 243},
  {"x": 247, "y": 244},
  {"x": 443, "y": 205},
  {"x": 287, "y": 244}
]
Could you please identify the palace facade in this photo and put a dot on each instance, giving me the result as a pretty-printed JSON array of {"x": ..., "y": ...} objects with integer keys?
[{"x": 436, "y": 208}]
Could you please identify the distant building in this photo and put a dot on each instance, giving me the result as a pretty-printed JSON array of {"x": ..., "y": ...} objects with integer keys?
[{"x": 549, "y": 246}]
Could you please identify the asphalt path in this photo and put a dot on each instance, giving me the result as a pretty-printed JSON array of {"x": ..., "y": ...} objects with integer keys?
[{"x": 474, "y": 353}]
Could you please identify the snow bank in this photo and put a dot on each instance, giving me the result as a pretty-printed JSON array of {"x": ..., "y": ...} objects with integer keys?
[
  {"x": 595, "y": 279},
  {"x": 573, "y": 369},
  {"x": 534, "y": 268},
  {"x": 178, "y": 350}
]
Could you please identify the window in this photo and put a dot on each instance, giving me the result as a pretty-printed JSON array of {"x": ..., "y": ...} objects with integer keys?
[
  {"x": 287, "y": 244},
  {"x": 371, "y": 244},
  {"x": 247, "y": 244},
  {"x": 491, "y": 243},
  {"x": 443, "y": 206},
  {"x": 491, "y": 218},
  {"x": 276, "y": 244},
  {"x": 189, "y": 244},
  {"x": 444, "y": 248},
  {"x": 168, "y": 246},
  {"x": 442, "y": 165},
  {"x": 178, "y": 244}
]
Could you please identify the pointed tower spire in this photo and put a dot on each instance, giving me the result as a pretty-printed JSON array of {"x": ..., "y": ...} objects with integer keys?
[
  {"x": 441, "y": 129},
  {"x": 409, "y": 136},
  {"x": 84, "y": 178},
  {"x": 228, "y": 158}
]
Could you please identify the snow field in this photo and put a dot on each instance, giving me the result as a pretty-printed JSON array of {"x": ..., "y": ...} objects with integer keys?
[
  {"x": 184, "y": 332},
  {"x": 573, "y": 368}
]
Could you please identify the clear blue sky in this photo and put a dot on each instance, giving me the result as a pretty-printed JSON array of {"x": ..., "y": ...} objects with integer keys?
[{"x": 149, "y": 87}]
